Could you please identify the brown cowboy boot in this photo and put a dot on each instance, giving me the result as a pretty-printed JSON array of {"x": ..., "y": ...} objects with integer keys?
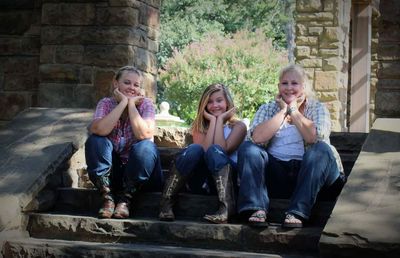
[
  {"x": 103, "y": 184},
  {"x": 226, "y": 196},
  {"x": 174, "y": 183}
]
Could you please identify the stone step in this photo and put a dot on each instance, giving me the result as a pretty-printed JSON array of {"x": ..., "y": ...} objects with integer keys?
[
  {"x": 187, "y": 234},
  {"x": 33, "y": 247},
  {"x": 188, "y": 206}
]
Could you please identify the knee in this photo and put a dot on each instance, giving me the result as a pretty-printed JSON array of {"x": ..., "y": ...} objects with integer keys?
[
  {"x": 194, "y": 150},
  {"x": 248, "y": 149},
  {"x": 144, "y": 148},
  {"x": 96, "y": 141},
  {"x": 214, "y": 151},
  {"x": 318, "y": 152}
]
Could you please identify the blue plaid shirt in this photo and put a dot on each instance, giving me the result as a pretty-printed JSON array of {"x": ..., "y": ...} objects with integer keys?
[{"x": 314, "y": 111}]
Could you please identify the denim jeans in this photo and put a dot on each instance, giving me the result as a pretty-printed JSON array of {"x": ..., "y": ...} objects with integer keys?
[
  {"x": 142, "y": 169},
  {"x": 199, "y": 165},
  {"x": 262, "y": 176}
]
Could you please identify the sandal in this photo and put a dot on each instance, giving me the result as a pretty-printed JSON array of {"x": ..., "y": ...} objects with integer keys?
[
  {"x": 121, "y": 211},
  {"x": 292, "y": 221},
  {"x": 258, "y": 218},
  {"x": 216, "y": 218},
  {"x": 107, "y": 210}
]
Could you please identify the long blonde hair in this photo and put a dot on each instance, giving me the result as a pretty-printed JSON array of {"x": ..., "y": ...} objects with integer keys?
[
  {"x": 308, "y": 91},
  {"x": 200, "y": 124}
]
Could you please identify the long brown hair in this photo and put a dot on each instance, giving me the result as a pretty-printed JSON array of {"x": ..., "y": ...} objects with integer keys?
[{"x": 200, "y": 124}]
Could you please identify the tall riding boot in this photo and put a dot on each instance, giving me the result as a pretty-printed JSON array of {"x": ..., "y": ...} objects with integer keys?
[
  {"x": 174, "y": 183},
  {"x": 226, "y": 196}
]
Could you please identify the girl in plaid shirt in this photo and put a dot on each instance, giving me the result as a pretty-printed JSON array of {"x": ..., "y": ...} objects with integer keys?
[
  {"x": 288, "y": 154},
  {"x": 120, "y": 154}
]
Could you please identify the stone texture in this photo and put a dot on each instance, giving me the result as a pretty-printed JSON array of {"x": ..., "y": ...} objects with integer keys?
[
  {"x": 326, "y": 80},
  {"x": 365, "y": 220},
  {"x": 49, "y": 140},
  {"x": 68, "y": 14},
  {"x": 172, "y": 137}
]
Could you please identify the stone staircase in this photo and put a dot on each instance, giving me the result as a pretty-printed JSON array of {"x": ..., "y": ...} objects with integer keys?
[{"x": 69, "y": 227}]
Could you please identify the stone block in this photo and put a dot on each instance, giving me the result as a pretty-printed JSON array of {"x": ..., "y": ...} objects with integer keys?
[
  {"x": 103, "y": 83},
  {"x": 308, "y": 5},
  {"x": 389, "y": 51},
  {"x": 47, "y": 54},
  {"x": 326, "y": 81},
  {"x": 330, "y": 34},
  {"x": 329, "y": 5},
  {"x": 68, "y": 14},
  {"x": 16, "y": 22},
  {"x": 315, "y": 31},
  {"x": 149, "y": 16},
  {"x": 327, "y": 96},
  {"x": 83, "y": 96},
  {"x": 56, "y": 95},
  {"x": 302, "y": 51},
  {"x": 109, "y": 55},
  {"x": 86, "y": 75},
  {"x": 25, "y": 80},
  {"x": 145, "y": 60},
  {"x": 150, "y": 85},
  {"x": 387, "y": 103},
  {"x": 311, "y": 63},
  {"x": 306, "y": 41},
  {"x": 301, "y": 30},
  {"x": 315, "y": 17},
  {"x": 14, "y": 64},
  {"x": 69, "y": 54},
  {"x": 328, "y": 52},
  {"x": 389, "y": 70},
  {"x": 127, "y": 3},
  {"x": 172, "y": 137},
  {"x": 117, "y": 16},
  {"x": 13, "y": 103},
  {"x": 365, "y": 220},
  {"x": 59, "y": 73},
  {"x": 332, "y": 64},
  {"x": 152, "y": 33}
]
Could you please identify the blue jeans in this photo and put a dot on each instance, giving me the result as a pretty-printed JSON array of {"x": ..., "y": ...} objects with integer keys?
[
  {"x": 199, "y": 165},
  {"x": 143, "y": 166},
  {"x": 261, "y": 176}
]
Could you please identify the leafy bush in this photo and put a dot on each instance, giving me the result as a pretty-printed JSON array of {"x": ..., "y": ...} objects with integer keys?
[
  {"x": 246, "y": 62},
  {"x": 187, "y": 21}
]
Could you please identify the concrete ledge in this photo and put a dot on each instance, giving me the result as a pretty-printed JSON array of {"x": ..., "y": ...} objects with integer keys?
[
  {"x": 366, "y": 219},
  {"x": 33, "y": 146}
]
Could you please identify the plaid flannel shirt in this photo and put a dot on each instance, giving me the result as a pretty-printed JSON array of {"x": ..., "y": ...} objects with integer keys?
[
  {"x": 314, "y": 111},
  {"x": 122, "y": 136}
]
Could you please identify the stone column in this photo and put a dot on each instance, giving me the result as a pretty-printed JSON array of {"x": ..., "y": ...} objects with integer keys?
[
  {"x": 84, "y": 42},
  {"x": 322, "y": 46}
]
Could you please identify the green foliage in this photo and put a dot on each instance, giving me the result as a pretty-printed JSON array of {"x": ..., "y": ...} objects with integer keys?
[
  {"x": 246, "y": 62},
  {"x": 187, "y": 21}
]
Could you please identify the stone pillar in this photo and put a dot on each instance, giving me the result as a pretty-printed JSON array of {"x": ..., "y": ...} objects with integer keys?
[
  {"x": 322, "y": 46},
  {"x": 19, "y": 56},
  {"x": 388, "y": 85},
  {"x": 84, "y": 42}
]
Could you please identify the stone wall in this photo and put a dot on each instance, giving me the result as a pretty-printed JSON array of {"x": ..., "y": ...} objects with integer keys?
[
  {"x": 19, "y": 55},
  {"x": 322, "y": 48},
  {"x": 63, "y": 53},
  {"x": 388, "y": 75}
]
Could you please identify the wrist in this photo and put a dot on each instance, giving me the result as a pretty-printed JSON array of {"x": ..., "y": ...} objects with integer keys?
[{"x": 290, "y": 110}]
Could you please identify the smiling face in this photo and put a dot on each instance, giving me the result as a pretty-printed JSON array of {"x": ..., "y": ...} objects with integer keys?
[
  {"x": 291, "y": 86},
  {"x": 128, "y": 84},
  {"x": 217, "y": 104}
]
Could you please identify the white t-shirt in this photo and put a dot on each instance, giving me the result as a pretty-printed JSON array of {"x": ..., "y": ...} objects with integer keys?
[
  {"x": 287, "y": 144},
  {"x": 227, "y": 132}
]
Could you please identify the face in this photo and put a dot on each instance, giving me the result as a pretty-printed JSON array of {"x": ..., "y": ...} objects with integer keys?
[
  {"x": 129, "y": 84},
  {"x": 217, "y": 104},
  {"x": 291, "y": 86}
]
